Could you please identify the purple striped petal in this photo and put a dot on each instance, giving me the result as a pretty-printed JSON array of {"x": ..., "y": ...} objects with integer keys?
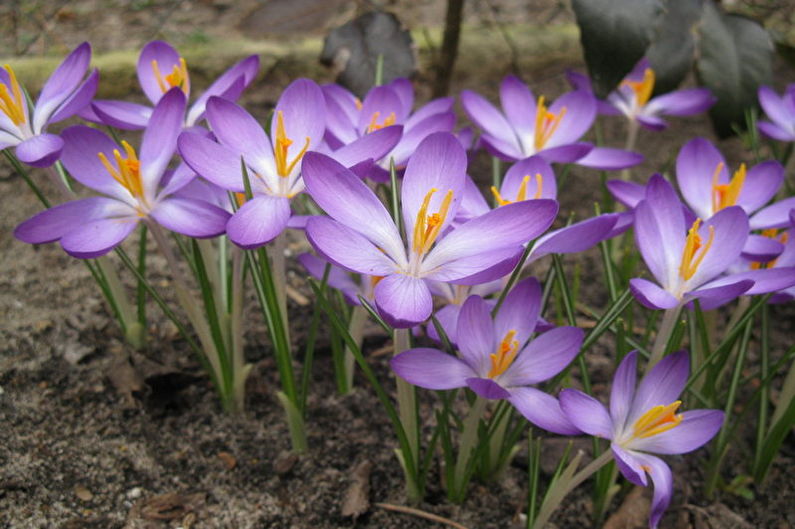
[
  {"x": 61, "y": 85},
  {"x": 608, "y": 159},
  {"x": 628, "y": 193},
  {"x": 586, "y": 413},
  {"x": 80, "y": 157},
  {"x": 259, "y": 221},
  {"x": 166, "y": 58},
  {"x": 217, "y": 163},
  {"x": 695, "y": 430},
  {"x": 228, "y": 86},
  {"x": 191, "y": 217},
  {"x": 78, "y": 100},
  {"x": 545, "y": 356},
  {"x": 731, "y": 231},
  {"x": 373, "y": 146},
  {"x": 501, "y": 149},
  {"x": 532, "y": 166},
  {"x": 695, "y": 166},
  {"x": 490, "y": 120},
  {"x": 580, "y": 114},
  {"x": 431, "y": 369},
  {"x": 776, "y": 215},
  {"x": 438, "y": 163},
  {"x": 520, "y": 311},
  {"x": 475, "y": 334},
  {"x": 487, "y": 388},
  {"x": 761, "y": 184},
  {"x": 718, "y": 292},
  {"x": 761, "y": 249},
  {"x": 776, "y": 132},
  {"x": 405, "y": 92},
  {"x": 97, "y": 237},
  {"x": 775, "y": 106},
  {"x": 51, "y": 224},
  {"x": 660, "y": 230},
  {"x": 661, "y": 386},
  {"x": 347, "y": 248},
  {"x": 518, "y": 104},
  {"x": 768, "y": 280},
  {"x": 238, "y": 130},
  {"x": 403, "y": 301},
  {"x": 663, "y": 486},
  {"x": 160, "y": 138},
  {"x": 304, "y": 110},
  {"x": 413, "y": 137},
  {"x": 442, "y": 105},
  {"x": 652, "y": 296},
  {"x": 682, "y": 102},
  {"x": 575, "y": 238},
  {"x": 629, "y": 466},
  {"x": 42, "y": 150},
  {"x": 447, "y": 317},
  {"x": 122, "y": 114},
  {"x": 569, "y": 153},
  {"x": 542, "y": 410},
  {"x": 623, "y": 390},
  {"x": 337, "y": 278},
  {"x": 378, "y": 105}
]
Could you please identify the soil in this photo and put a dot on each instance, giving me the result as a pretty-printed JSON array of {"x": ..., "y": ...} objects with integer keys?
[{"x": 98, "y": 436}]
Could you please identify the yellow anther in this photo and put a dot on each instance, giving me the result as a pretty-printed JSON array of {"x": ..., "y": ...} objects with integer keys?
[
  {"x": 521, "y": 193},
  {"x": 374, "y": 280},
  {"x": 127, "y": 171},
  {"x": 691, "y": 258},
  {"x": 644, "y": 88},
  {"x": 374, "y": 125},
  {"x": 283, "y": 167},
  {"x": 505, "y": 355},
  {"x": 657, "y": 420},
  {"x": 358, "y": 103},
  {"x": 771, "y": 233},
  {"x": 427, "y": 227},
  {"x": 546, "y": 123},
  {"x": 177, "y": 77},
  {"x": 12, "y": 103},
  {"x": 725, "y": 195}
]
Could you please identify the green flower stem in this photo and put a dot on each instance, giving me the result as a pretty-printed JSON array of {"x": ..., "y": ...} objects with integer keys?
[
  {"x": 561, "y": 489},
  {"x": 407, "y": 400},
  {"x": 240, "y": 369},
  {"x": 356, "y": 330},
  {"x": 632, "y": 137},
  {"x": 670, "y": 319},
  {"x": 134, "y": 332},
  {"x": 279, "y": 267},
  {"x": 469, "y": 439}
]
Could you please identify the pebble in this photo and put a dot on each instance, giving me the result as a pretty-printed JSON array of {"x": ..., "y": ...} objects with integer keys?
[{"x": 134, "y": 493}]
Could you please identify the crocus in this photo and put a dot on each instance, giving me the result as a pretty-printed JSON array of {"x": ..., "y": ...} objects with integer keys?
[
  {"x": 685, "y": 259},
  {"x": 391, "y": 104},
  {"x": 340, "y": 279},
  {"x": 65, "y": 93},
  {"x": 780, "y": 110},
  {"x": 644, "y": 421},
  {"x": 130, "y": 186},
  {"x": 161, "y": 68},
  {"x": 360, "y": 235},
  {"x": 633, "y": 98},
  {"x": 273, "y": 164},
  {"x": 528, "y": 126},
  {"x": 496, "y": 360}
]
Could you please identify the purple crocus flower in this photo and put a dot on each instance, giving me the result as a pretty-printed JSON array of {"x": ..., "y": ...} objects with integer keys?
[
  {"x": 391, "y": 104},
  {"x": 496, "y": 361},
  {"x": 161, "y": 68},
  {"x": 527, "y": 126},
  {"x": 340, "y": 279},
  {"x": 361, "y": 236},
  {"x": 780, "y": 111},
  {"x": 644, "y": 421},
  {"x": 65, "y": 93},
  {"x": 685, "y": 259},
  {"x": 273, "y": 164},
  {"x": 633, "y": 98},
  {"x": 91, "y": 227}
]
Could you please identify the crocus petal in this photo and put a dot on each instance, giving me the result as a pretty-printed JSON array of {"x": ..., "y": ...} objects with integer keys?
[
  {"x": 695, "y": 165},
  {"x": 438, "y": 163},
  {"x": 487, "y": 388},
  {"x": 519, "y": 104},
  {"x": 586, "y": 413},
  {"x": 40, "y": 151},
  {"x": 371, "y": 146},
  {"x": 776, "y": 132},
  {"x": 541, "y": 409},
  {"x": 166, "y": 58},
  {"x": 629, "y": 465},
  {"x": 609, "y": 159},
  {"x": 568, "y": 153},
  {"x": 61, "y": 84},
  {"x": 259, "y": 221},
  {"x": 228, "y": 86},
  {"x": 337, "y": 278},
  {"x": 80, "y": 157},
  {"x": 403, "y": 301},
  {"x": 695, "y": 430},
  {"x": 520, "y": 311},
  {"x": 663, "y": 486},
  {"x": 767, "y": 280},
  {"x": 436, "y": 107},
  {"x": 413, "y": 137},
  {"x": 652, "y": 296},
  {"x": 405, "y": 92},
  {"x": 774, "y": 105},
  {"x": 217, "y": 163},
  {"x": 160, "y": 138},
  {"x": 662, "y": 385},
  {"x": 580, "y": 113},
  {"x": 628, "y": 193},
  {"x": 447, "y": 317},
  {"x": 504, "y": 150},
  {"x": 503, "y": 228},
  {"x": 489, "y": 119},
  {"x": 660, "y": 229},
  {"x": 623, "y": 389},
  {"x": 51, "y": 224},
  {"x": 761, "y": 184},
  {"x": 475, "y": 334},
  {"x": 575, "y": 238},
  {"x": 682, "y": 102},
  {"x": 532, "y": 167},
  {"x": 122, "y": 114},
  {"x": 776, "y": 215},
  {"x": 97, "y": 237},
  {"x": 347, "y": 248},
  {"x": 716, "y": 293},
  {"x": 191, "y": 217},
  {"x": 731, "y": 231},
  {"x": 544, "y": 357},
  {"x": 472, "y": 202},
  {"x": 431, "y": 369},
  {"x": 652, "y": 122},
  {"x": 348, "y": 200},
  {"x": 77, "y": 100},
  {"x": 238, "y": 130},
  {"x": 379, "y": 103},
  {"x": 304, "y": 110}
]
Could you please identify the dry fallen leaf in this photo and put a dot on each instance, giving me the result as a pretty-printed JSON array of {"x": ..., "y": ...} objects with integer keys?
[
  {"x": 228, "y": 460},
  {"x": 633, "y": 513},
  {"x": 357, "y": 498},
  {"x": 83, "y": 493},
  {"x": 170, "y": 506}
]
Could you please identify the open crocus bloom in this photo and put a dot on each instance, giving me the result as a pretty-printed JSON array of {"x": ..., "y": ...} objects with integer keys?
[
  {"x": 65, "y": 93},
  {"x": 685, "y": 259},
  {"x": 528, "y": 126},
  {"x": 361, "y": 236},
  {"x": 161, "y": 68},
  {"x": 131, "y": 187},
  {"x": 496, "y": 361},
  {"x": 633, "y": 98},
  {"x": 780, "y": 110},
  {"x": 340, "y": 279},
  {"x": 273, "y": 164},
  {"x": 391, "y": 104},
  {"x": 644, "y": 421}
]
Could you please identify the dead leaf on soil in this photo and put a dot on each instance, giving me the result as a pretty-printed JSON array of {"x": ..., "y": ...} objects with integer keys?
[
  {"x": 357, "y": 498},
  {"x": 83, "y": 493},
  {"x": 633, "y": 513},
  {"x": 228, "y": 460},
  {"x": 169, "y": 506},
  {"x": 285, "y": 463}
]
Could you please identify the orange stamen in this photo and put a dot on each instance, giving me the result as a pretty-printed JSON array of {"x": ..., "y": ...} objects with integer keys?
[
  {"x": 283, "y": 167},
  {"x": 691, "y": 258},
  {"x": 127, "y": 171},
  {"x": 644, "y": 88},
  {"x": 771, "y": 233},
  {"x": 427, "y": 227},
  {"x": 657, "y": 420},
  {"x": 726, "y": 195},
  {"x": 12, "y": 103},
  {"x": 505, "y": 355},
  {"x": 390, "y": 120},
  {"x": 546, "y": 123},
  {"x": 177, "y": 77},
  {"x": 521, "y": 193}
]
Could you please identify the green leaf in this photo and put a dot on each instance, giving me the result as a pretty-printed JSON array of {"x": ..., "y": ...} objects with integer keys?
[
  {"x": 673, "y": 49},
  {"x": 614, "y": 36},
  {"x": 734, "y": 59}
]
